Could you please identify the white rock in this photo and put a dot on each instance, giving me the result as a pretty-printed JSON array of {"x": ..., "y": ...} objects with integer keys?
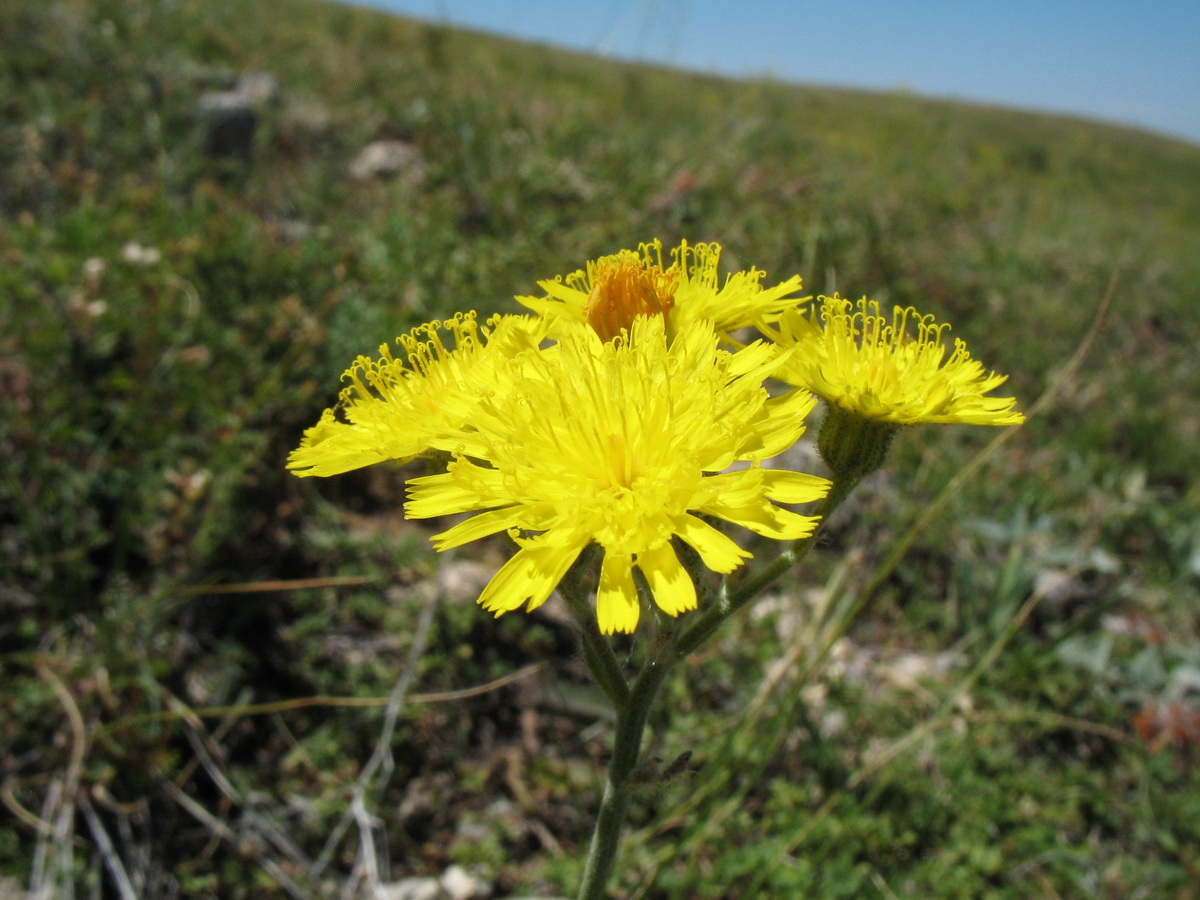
[
  {"x": 456, "y": 883},
  {"x": 383, "y": 159},
  {"x": 459, "y": 884}
]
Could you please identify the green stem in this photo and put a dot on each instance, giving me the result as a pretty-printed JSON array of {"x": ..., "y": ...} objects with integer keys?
[{"x": 631, "y": 723}]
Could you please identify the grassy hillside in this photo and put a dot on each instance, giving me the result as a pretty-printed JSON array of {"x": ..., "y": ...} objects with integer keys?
[{"x": 184, "y": 279}]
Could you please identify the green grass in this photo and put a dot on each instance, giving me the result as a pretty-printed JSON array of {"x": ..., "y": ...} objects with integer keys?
[{"x": 147, "y": 408}]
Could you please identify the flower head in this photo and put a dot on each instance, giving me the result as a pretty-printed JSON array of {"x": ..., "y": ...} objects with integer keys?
[
  {"x": 396, "y": 408},
  {"x": 614, "y": 289},
  {"x": 625, "y": 443},
  {"x": 857, "y": 359}
]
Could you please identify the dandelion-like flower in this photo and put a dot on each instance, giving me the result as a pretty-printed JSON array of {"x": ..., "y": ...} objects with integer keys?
[
  {"x": 396, "y": 408},
  {"x": 868, "y": 364},
  {"x": 614, "y": 289},
  {"x": 876, "y": 375},
  {"x": 624, "y": 443}
]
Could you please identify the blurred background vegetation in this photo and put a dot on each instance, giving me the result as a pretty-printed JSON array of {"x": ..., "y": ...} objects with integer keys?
[{"x": 208, "y": 209}]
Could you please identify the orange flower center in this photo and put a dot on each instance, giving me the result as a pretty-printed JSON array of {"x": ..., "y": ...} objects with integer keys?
[{"x": 623, "y": 289}]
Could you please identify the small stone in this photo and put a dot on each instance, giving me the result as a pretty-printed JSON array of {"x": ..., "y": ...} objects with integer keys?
[
  {"x": 232, "y": 116},
  {"x": 459, "y": 884},
  {"x": 138, "y": 255},
  {"x": 257, "y": 89},
  {"x": 388, "y": 159}
]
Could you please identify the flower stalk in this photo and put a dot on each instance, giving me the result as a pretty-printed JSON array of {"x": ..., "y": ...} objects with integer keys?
[{"x": 618, "y": 784}]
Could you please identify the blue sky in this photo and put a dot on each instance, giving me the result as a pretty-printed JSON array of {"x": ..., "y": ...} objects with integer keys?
[{"x": 1136, "y": 63}]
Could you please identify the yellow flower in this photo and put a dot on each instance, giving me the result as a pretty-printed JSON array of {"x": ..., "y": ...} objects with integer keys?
[
  {"x": 857, "y": 359},
  {"x": 625, "y": 443},
  {"x": 397, "y": 408},
  {"x": 875, "y": 376},
  {"x": 614, "y": 289}
]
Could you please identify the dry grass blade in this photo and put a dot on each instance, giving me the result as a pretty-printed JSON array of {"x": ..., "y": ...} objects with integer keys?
[
  {"x": 381, "y": 758},
  {"x": 224, "y": 832},
  {"x": 238, "y": 710},
  {"x": 266, "y": 587},
  {"x": 53, "y": 856},
  {"x": 108, "y": 853},
  {"x": 207, "y": 752},
  {"x": 8, "y": 795}
]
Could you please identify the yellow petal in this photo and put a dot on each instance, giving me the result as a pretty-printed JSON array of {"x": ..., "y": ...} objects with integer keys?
[
  {"x": 778, "y": 428},
  {"x": 531, "y": 575},
  {"x": 765, "y": 518},
  {"x": 784, "y": 486},
  {"x": 718, "y": 551},
  {"x": 617, "y": 607},
  {"x": 480, "y": 526},
  {"x": 464, "y": 487},
  {"x": 669, "y": 581},
  {"x": 331, "y": 447}
]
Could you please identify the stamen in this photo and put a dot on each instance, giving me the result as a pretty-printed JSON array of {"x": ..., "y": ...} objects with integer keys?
[{"x": 623, "y": 288}]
